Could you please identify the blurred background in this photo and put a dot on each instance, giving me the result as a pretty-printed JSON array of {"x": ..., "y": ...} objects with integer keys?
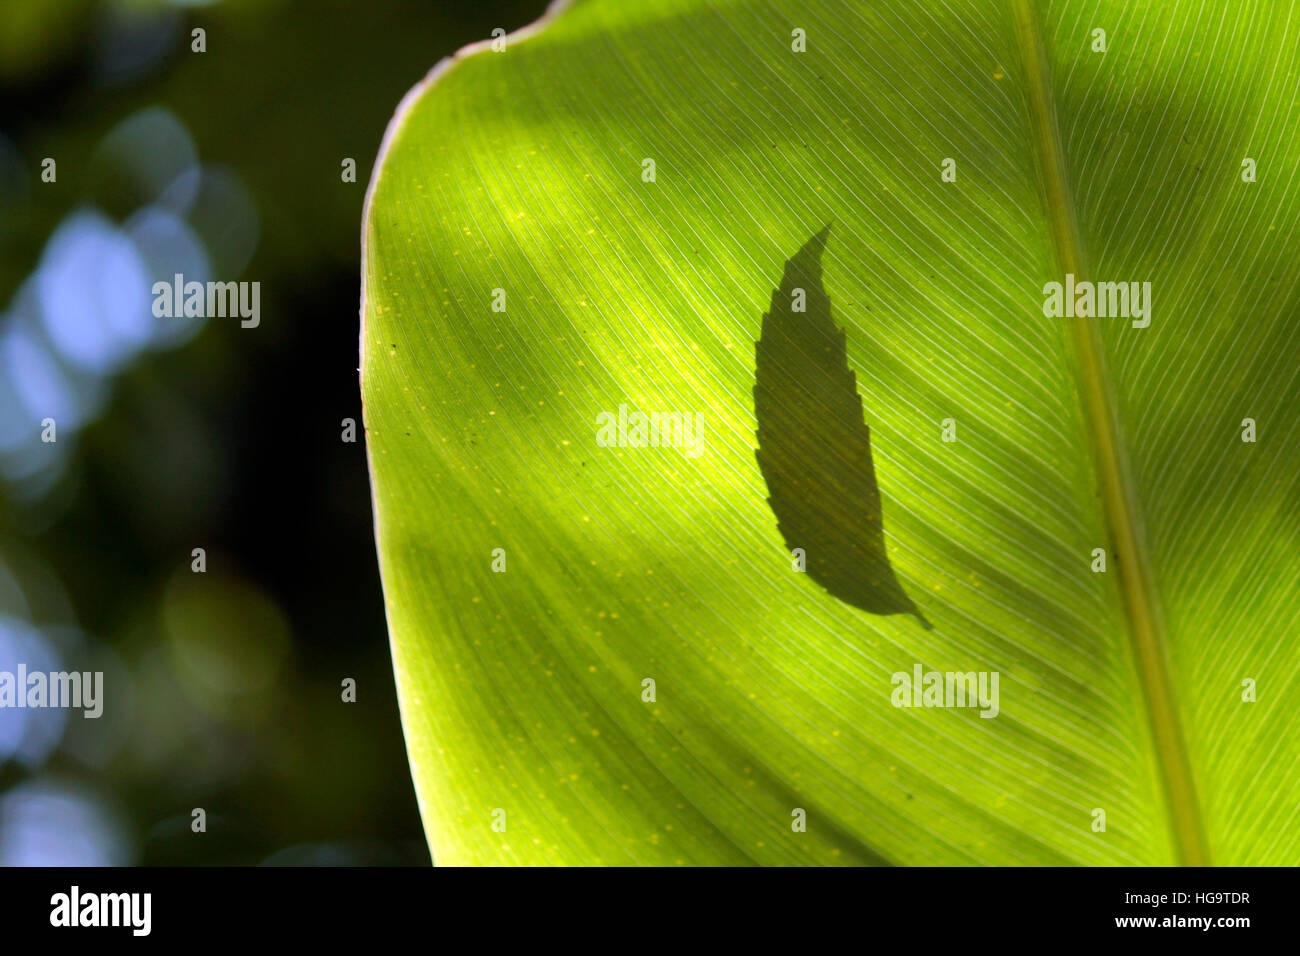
[{"x": 223, "y": 690}]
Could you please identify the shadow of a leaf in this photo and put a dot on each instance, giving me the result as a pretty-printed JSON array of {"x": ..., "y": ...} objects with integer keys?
[{"x": 814, "y": 449}]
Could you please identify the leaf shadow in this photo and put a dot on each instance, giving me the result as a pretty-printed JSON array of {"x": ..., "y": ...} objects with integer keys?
[{"x": 814, "y": 448}]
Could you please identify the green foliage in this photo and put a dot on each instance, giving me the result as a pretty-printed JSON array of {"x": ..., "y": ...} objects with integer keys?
[{"x": 518, "y": 179}]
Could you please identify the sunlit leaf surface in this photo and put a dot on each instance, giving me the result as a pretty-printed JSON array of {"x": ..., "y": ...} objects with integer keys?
[{"x": 590, "y": 226}]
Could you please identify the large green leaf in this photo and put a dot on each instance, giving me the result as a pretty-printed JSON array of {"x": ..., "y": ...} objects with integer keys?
[{"x": 1121, "y": 691}]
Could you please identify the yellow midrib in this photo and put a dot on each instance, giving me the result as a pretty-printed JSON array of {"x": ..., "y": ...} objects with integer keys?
[{"x": 1119, "y": 504}]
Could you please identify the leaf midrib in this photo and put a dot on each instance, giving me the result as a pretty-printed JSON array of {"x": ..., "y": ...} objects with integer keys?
[{"x": 1145, "y": 628}]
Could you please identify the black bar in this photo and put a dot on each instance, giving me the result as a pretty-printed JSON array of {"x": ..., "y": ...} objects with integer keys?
[{"x": 437, "y": 908}]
